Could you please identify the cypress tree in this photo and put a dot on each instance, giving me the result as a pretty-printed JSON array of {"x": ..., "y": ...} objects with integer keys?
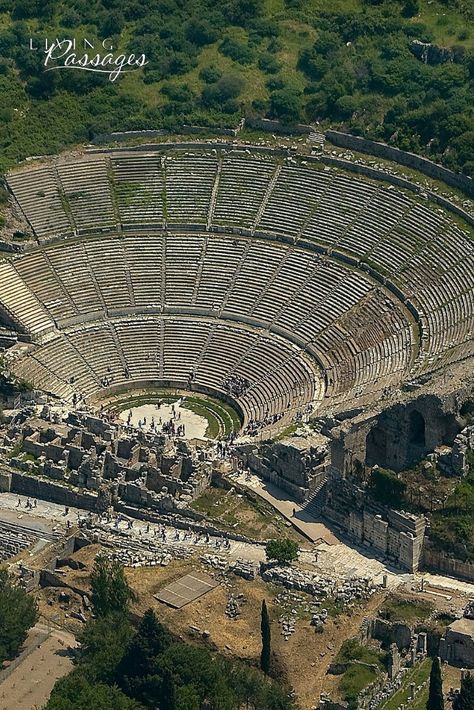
[
  {"x": 266, "y": 640},
  {"x": 168, "y": 692},
  {"x": 435, "y": 697},
  {"x": 465, "y": 699}
]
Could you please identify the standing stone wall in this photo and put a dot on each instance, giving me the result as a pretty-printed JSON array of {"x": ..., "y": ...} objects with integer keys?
[
  {"x": 35, "y": 487},
  {"x": 410, "y": 160},
  {"x": 439, "y": 561}
]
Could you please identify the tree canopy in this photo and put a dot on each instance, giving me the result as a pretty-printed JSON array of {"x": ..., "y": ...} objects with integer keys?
[
  {"x": 283, "y": 551},
  {"x": 385, "y": 487},
  {"x": 465, "y": 699},
  {"x": 348, "y": 65},
  {"x": 128, "y": 668},
  {"x": 435, "y": 696},
  {"x": 111, "y": 592},
  {"x": 18, "y": 612}
]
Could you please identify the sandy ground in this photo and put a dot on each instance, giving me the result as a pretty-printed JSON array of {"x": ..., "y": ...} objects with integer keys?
[
  {"x": 195, "y": 426},
  {"x": 27, "y": 684},
  {"x": 303, "y": 659}
]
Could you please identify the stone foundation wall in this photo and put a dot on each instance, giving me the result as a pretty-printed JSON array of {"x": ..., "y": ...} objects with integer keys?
[
  {"x": 386, "y": 533},
  {"x": 273, "y": 126},
  {"x": 36, "y": 487},
  {"x": 125, "y": 136},
  {"x": 410, "y": 160},
  {"x": 439, "y": 561}
]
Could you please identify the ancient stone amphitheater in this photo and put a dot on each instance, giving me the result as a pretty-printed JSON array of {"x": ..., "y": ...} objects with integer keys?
[{"x": 185, "y": 266}]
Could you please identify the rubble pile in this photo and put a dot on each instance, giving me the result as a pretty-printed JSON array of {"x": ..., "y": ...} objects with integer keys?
[
  {"x": 355, "y": 588},
  {"x": 297, "y": 579},
  {"x": 469, "y": 609},
  {"x": 287, "y": 626},
  {"x": 214, "y": 561},
  {"x": 391, "y": 687},
  {"x": 319, "y": 618},
  {"x": 244, "y": 569},
  {"x": 137, "y": 559},
  {"x": 132, "y": 553},
  {"x": 232, "y": 609}
]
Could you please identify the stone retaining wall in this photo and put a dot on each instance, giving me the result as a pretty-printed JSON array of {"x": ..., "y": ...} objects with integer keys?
[
  {"x": 410, "y": 160},
  {"x": 36, "y": 487},
  {"x": 441, "y": 562},
  {"x": 272, "y": 126},
  {"x": 398, "y": 181},
  {"x": 124, "y": 136}
]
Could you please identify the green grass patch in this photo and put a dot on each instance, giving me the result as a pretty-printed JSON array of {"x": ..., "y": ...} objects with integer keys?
[
  {"x": 215, "y": 426},
  {"x": 354, "y": 680},
  {"x": 398, "y": 609},
  {"x": 352, "y": 650},
  {"x": 286, "y": 432},
  {"x": 418, "y": 675},
  {"x": 452, "y": 527},
  {"x": 357, "y": 676},
  {"x": 245, "y": 514}
]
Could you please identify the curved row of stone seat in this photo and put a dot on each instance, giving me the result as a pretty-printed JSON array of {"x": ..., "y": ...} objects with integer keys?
[
  {"x": 390, "y": 230},
  {"x": 13, "y": 541},
  {"x": 372, "y": 342},
  {"x": 19, "y": 303},
  {"x": 277, "y": 286},
  {"x": 39, "y": 197},
  {"x": 88, "y": 359}
]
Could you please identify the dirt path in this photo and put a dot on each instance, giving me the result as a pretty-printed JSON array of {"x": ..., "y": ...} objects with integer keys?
[
  {"x": 306, "y": 655},
  {"x": 27, "y": 684}
]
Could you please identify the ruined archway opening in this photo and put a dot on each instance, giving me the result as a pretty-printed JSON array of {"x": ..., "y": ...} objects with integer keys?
[{"x": 416, "y": 430}]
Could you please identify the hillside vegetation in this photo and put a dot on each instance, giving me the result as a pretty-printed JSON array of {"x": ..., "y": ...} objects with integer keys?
[{"x": 347, "y": 63}]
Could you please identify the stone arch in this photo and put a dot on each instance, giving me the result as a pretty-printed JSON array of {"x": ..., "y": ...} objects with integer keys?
[
  {"x": 376, "y": 446},
  {"x": 416, "y": 429}
]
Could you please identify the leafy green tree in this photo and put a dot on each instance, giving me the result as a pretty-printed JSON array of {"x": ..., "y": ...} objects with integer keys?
[
  {"x": 283, "y": 551},
  {"x": 227, "y": 87},
  {"x": 286, "y": 105},
  {"x": 411, "y": 8},
  {"x": 464, "y": 146},
  {"x": 237, "y": 50},
  {"x": 266, "y": 639},
  {"x": 210, "y": 74},
  {"x": 385, "y": 487},
  {"x": 104, "y": 642},
  {"x": 139, "y": 673},
  {"x": 269, "y": 64},
  {"x": 465, "y": 699},
  {"x": 76, "y": 692},
  {"x": 111, "y": 592},
  {"x": 113, "y": 24},
  {"x": 23, "y": 9},
  {"x": 187, "y": 698},
  {"x": 201, "y": 32},
  {"x": 435, "y": 696},
  {"x": 241, "y": 12},
  {"x": 18, "y": 612},
  {"x": 168, "y": 692}
]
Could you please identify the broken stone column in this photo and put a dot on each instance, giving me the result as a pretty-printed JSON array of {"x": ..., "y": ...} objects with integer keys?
[
  {"x": 393, "y": 662},
  {"x": 422, "y": 643}
]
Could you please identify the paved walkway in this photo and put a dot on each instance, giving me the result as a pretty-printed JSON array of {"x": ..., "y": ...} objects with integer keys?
[
  {"x": 28, "y": 682},
  {"x": 437, "y": 581},
  {"x": 293, "y": 512},
  {"x": 51, "y": 516}
]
